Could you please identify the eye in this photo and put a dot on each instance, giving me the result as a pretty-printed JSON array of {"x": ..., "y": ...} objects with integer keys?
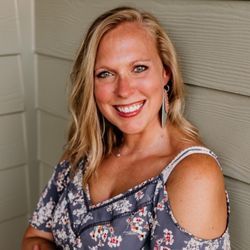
[
  {"x": 104, "y": 74},
  {"x": 140, "y": 68}
]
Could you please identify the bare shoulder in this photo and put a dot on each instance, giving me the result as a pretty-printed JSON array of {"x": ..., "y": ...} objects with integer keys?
[{"x": 197, "y": 196}]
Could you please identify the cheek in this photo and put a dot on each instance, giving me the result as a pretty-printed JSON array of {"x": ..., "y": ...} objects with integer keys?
[
  {"x": 154, "y": 86},
  {"x": 103, "y": 93}
]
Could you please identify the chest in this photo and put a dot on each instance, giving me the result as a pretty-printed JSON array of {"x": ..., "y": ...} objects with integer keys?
[{"x": 116, "y": 176}]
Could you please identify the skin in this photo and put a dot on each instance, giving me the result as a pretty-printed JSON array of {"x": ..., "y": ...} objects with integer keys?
[{"x": 129, "y": 71}]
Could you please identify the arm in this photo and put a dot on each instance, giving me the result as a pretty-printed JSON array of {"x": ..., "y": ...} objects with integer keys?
[
  {"x": 197, "y": 185},
  {"x": 39, "y": 232},
  {"x": 35, "y": 239}
]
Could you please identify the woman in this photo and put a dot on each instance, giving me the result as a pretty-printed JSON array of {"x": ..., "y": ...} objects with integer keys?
[{"x": 135, "y": 173}]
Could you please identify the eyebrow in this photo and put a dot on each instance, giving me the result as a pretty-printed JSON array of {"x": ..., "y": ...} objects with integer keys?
[{"x": 131, "y": 63}]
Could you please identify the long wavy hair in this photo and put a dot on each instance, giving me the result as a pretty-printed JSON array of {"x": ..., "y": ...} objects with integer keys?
[{"x": 91, "y": 137}]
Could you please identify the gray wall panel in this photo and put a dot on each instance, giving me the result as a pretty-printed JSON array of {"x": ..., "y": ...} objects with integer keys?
[{"x": 224, "y": 122}]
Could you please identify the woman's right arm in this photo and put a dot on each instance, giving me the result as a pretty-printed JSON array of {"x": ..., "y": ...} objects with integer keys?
[
  {"x": 35, "y": 239},
  {"x": 38, "y": 235}
]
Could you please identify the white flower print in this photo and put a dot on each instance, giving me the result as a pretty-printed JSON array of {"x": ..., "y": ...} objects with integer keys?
[
  {"x": 61, "y": 234},
  {"x": 120, "y": 206},
  {"x": 194, "y": 244},
  {"x": 78, "y": 242},
  {"x": 138, "y": 224},
  {"x": 104, "y": 234},
  {"x": 142, "y": 211},
  {"x": 226, "y": 241},
  {"x": 93, "y": 248},
  {"x": 162, "y": 204},
  {"x": 139, "y": 195},
  {"x": 114, "y": 241},
  {"x": 61, "y": 181},
  {"x": 161, "y": 248},
  {"x": 44, "y": 214},
  {"x": 166, "y": 240},
  {"x": 168, "y": 237}
]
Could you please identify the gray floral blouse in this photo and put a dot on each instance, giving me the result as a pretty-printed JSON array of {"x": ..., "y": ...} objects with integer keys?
[{"x": 140, "y": 218}]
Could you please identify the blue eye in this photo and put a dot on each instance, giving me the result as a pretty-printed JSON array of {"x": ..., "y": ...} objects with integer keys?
[
  {"x": 104, "y": 74},
  {"x": 140, "y": 68}
]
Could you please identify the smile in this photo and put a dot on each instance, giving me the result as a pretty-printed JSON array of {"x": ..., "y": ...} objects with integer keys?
[{"x": 130, "y": 109}]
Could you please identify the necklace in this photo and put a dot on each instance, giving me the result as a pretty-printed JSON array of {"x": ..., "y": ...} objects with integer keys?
[{"x": 117, "y": 153}]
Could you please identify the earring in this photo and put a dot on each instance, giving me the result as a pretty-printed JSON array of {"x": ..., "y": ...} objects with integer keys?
[
  {"x": 164, "y": 112},
  {"x": 103, "y": 126}
]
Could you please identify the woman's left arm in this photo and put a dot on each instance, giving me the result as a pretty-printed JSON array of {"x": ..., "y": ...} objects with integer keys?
[{"x": 197, "y": 196}]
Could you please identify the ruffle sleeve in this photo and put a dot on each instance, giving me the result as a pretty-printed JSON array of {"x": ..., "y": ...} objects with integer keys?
[{"x": 43, "y": 214}]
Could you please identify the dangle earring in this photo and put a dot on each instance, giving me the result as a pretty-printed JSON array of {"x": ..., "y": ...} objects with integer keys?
[
  {"x": 103, "y": 126},
  {"x": 164, "y": 112}
]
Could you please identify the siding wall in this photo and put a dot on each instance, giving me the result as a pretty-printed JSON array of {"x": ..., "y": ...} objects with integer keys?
[
  {"x": 211, "y": 38},
  {"x": 17, "y": 150}
]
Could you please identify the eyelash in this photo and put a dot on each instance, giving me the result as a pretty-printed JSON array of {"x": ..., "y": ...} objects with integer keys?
[
  {"x": 105, "y": 74},
  {"x": 142, "y": 68}
]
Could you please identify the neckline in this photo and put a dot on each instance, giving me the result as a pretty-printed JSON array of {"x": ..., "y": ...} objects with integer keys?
[{"x": 139, "y": 186}]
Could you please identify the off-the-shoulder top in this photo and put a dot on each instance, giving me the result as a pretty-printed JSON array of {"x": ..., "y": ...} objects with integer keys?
[{"x": 140, "y": 218}]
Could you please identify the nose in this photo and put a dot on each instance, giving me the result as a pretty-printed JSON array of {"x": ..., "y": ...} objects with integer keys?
[{"x": 124, "y": 86}]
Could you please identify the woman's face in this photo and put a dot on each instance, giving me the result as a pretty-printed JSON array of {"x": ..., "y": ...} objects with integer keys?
[{"x": 129, "y": 79}]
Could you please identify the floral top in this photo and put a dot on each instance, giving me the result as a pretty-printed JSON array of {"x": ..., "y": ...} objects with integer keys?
[{"x": 140, "y": 218}]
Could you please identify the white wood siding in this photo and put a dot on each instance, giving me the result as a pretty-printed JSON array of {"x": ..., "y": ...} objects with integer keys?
[
  {"x": 224, "y": 122},
  {"x": 11, "y": 93},
  {"x": 14, "y": 120},
  {"x": 52, "y": 77},
  {"x": 10, "y": 232},
  {"x": 12, "y": 148},
  {"x": 51, "y": 137}
]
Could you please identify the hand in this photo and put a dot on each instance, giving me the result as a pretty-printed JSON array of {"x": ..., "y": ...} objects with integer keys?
[
  {"x": 38, "y": 245},
  {"x": 43, "y": 246}
]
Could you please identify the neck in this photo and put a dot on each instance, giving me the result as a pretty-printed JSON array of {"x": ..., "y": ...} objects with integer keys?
[{"x": 148, "y": 142}]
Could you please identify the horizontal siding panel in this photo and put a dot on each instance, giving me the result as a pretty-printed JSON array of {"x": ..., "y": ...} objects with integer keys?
[
  {"x": 45, "y": 171},
  {"x": 224, "y": 123},
  {"x": 9, "y": 42},
  {"x": 11, "y": 233},
  {"x": 53, "y": 77},
  {"x": 52, "y": 132},
  {"x": 211, "y": 37},
  {"x": 11, "y": 90},
  {"x": 74, "y": 17},
  {"x": 12, "y": 147},
  {"x": 239, "y": 195},
  {"x": 13, "y": 199}
]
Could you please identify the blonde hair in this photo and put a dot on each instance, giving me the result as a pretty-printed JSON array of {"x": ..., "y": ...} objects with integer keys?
[{"x": 90, "y": 136}]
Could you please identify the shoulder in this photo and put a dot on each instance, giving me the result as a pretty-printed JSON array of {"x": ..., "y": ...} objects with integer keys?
[
  {"x": 197, "y": 196},
  {"x": 62, "y": 169},
  {"x": 61, "y": 176}
]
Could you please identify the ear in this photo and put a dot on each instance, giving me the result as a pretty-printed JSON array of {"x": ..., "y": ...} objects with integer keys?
[{"x": 166, "y": 75}]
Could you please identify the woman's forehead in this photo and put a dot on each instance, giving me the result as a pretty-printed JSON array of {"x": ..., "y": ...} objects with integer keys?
[{"x": 125, "y": 40}]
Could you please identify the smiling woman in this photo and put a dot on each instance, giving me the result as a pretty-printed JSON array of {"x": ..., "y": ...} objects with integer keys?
[
  {"x": 135, "y": 174},
  {"x": 130, "y": 79}
]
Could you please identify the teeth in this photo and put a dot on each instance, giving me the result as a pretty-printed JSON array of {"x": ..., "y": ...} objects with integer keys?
[{"x": 129, "y": 109}]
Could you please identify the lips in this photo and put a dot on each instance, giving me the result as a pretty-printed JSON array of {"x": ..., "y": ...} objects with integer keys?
[{"x": 129, "y": 110}]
